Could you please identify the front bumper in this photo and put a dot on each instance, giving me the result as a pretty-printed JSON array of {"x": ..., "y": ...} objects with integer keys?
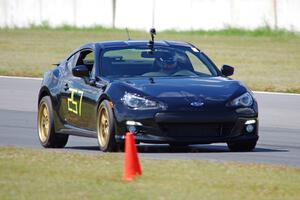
[{"x": 191, "y": 127}]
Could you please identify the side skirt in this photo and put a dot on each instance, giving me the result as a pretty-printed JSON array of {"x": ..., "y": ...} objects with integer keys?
[{"x": 73, "y": 130}]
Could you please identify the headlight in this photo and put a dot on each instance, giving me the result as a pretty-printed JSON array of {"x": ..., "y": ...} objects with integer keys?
[
  {"x": 136, "y": 102},
  {"x": 243, "y": 100}
]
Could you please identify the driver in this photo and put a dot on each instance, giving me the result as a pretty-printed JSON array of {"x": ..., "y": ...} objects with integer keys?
[{"x": 168, "y": 63}]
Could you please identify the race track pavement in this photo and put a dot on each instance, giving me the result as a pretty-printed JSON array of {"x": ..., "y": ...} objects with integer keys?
[{"x": 279, "y": 129}]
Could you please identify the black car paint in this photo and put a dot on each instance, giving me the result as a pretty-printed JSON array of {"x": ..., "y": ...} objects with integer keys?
[{"x": 176, "y": 93}]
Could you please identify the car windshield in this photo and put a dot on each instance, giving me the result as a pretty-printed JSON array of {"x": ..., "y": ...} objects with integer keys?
[{"x": 160, "y": 62}]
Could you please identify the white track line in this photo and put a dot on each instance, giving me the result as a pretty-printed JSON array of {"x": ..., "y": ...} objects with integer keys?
[
  {"x": 21, "y": 77},
  {"x": 276, "y": 93},
  {"x": 257, "y": 92}
]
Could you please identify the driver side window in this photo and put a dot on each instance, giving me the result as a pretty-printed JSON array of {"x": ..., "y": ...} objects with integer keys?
[{"x": 86, "y": 58}]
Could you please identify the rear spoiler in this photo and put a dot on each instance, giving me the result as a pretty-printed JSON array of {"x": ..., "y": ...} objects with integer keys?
[{"x": 56, "y": 64}]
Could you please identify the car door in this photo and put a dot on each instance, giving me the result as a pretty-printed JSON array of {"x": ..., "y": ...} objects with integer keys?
[
  {"x": 82, "y": 95},
  {"x": 65, "y": 92}
]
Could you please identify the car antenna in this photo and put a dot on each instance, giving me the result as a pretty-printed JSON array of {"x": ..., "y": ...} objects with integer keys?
[
  {"x": 151, "y": 42},
  {"x": 128, "y": 34}
]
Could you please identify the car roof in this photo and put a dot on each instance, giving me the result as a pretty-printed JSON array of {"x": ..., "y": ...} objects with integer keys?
[
  {"x": 132, "y": 43},
  {"x": 129, "y": 43}
]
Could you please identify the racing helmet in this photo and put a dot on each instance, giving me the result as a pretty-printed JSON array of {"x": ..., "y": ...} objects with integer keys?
[{"x": 167, "y": 60}]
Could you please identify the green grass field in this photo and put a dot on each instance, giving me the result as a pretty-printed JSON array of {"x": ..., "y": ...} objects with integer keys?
[
  {"x": 48, "y": 174},
  {"x": 263, "y": 59}
]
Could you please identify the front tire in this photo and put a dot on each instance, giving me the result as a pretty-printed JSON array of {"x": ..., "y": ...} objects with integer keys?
[
  {"x": 46, "y": 132},
  {"x": 105, "y": 128},
  {"x": 242, "y": 146}
]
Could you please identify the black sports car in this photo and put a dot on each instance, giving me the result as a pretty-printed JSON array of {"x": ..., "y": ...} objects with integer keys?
[{"x": 162, "y": 91}]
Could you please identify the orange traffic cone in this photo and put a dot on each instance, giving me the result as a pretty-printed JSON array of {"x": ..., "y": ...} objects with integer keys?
[{"x": 131, "y": 163}]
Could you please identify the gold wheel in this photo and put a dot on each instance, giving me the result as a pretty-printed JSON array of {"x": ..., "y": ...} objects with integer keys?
[
  {"x": 44, "y": 122},
  {"x": 103, "y": 127}
]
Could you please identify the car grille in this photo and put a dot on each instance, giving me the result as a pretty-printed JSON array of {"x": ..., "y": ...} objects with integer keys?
[{"x": 196, "y": 129}]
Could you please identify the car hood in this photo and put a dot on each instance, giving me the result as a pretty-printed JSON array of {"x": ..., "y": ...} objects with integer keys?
[{"x": 178, "y": 93}]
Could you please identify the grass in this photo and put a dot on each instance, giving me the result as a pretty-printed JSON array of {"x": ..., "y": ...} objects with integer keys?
[
  {"x": 36, "y": 174},
  {"x": 263, "y": 59}
]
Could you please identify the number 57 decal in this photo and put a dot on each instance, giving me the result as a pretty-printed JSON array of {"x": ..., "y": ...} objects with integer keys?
[{"x": 73, "y": 105}]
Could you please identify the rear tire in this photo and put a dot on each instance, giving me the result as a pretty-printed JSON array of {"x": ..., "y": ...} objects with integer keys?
[
  {"x": 242, "y": 146},
  {"x": 105, "y": 128},
  {"x": 46, "y": 132}
]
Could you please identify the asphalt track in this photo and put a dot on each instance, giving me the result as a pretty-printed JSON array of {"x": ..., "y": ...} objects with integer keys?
[{"x": 279, "y": 129}]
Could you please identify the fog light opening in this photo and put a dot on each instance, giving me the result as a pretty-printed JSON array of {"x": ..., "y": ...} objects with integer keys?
[
  {"x": 251, "y": 121},
  {"x": 133, "y": 123},
  {"x": 249, "y": 128}
]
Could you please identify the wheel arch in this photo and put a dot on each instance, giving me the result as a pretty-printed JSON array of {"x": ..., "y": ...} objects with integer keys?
[
  {"x": 107, "y": 97},
  {"x": 102, "y": 98},
  {"x": 44, "y": 91}
]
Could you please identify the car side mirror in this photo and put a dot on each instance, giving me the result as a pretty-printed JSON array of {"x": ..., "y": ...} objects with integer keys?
[
  {"x": 227, "y": 70},
  {"x": 81, "y": 71}
]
